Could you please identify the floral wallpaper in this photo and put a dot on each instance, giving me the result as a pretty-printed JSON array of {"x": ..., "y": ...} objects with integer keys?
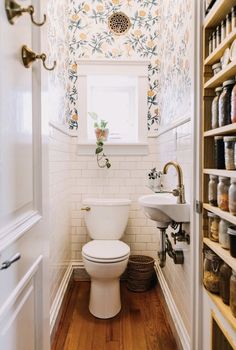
[
  {"x": 175, "y": 76},
  {"x": 90, "y": 37}
]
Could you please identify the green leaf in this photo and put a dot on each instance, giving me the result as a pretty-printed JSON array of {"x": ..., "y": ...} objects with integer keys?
[
  {"x": 98, "y": 150},
  {"x": 93, "y": 115}
]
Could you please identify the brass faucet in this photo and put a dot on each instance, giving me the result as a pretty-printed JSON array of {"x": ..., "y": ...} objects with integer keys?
[{"x": 180, "y": 188}]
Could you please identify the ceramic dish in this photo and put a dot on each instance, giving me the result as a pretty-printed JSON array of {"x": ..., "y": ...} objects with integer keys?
[
  {"x": 233, "y": 51},
  {"x": 225, "y": 58}
]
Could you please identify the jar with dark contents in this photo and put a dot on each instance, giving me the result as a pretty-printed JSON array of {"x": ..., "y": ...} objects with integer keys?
[
  {"x": 232, "y": 301},
  {"x": 233, "y": 105},
  {"x": 211, "y": 266},
  {"x": 219, "y": 152},
  {"x": 232, "y": 241},
  {"x": 225, "y": 274},
  {"x": 215, "y": 108},
  {"x": 212, "y": 190},
  {"x": 223, "y": 30},
  {"x": 223, "y": 193},
  {"x": 225, "y": 103}
]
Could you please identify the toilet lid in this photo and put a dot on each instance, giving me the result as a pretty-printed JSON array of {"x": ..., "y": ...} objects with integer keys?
[{"x": 105, "y": 250}]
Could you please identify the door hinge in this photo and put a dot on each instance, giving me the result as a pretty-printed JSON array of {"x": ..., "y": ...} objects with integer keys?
[{"x": 198, "y": 207}]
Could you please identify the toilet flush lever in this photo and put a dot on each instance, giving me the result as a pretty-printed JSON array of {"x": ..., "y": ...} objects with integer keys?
[{"x": 86, "y": 208}]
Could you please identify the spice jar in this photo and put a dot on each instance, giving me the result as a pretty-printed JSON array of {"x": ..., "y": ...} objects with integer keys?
[
  {"x": 213, "y": 227},
  {"x": 216, "y": 68},
  {"x": 212, "y": 190},
  {"x": 215, "y": 108},
  {"x": 224, "y": 275},
  {"x": 232, "y": 196},
  {"x": 229, "y": 142},
  {"x": 225, "y": 103},
  {"x": 233, "y": 18},
  {"x": 233, "y": 105},
  {"x": 228, "y": 24},
  {"x": 232, "y": 299},
  {"x": 211, "y": 272},
  {"x": 219, "y": 152},
  {"x": 223, "y": 193},
  {"x": 223, "y": 233},
  {"x": 223, "y": 30},
  {"x": 232, "y": 241}
]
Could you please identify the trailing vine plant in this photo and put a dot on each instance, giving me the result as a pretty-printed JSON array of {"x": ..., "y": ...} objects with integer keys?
[{"x": 101, "y": 132}]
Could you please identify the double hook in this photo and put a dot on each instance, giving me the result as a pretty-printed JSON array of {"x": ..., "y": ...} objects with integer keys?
[
  {"x": 14, "y": 10},
  {"x": 28, "y": 57}
]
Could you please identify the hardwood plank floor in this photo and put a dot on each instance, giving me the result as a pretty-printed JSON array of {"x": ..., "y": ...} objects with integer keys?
[{"x": 141, "y": 324}]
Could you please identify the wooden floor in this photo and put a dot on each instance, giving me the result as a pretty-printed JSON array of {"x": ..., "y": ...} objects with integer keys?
[{"x": 141, "y": 324}]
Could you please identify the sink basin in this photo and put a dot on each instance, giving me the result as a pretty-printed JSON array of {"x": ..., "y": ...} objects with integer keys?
[{"x": 163, "y": 208}]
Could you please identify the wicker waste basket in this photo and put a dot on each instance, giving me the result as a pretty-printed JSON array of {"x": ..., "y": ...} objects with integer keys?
[{"x": 140, "y": 273}]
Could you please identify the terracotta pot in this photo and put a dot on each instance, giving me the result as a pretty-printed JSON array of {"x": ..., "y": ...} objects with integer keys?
[{"x": 102, "y": 134}]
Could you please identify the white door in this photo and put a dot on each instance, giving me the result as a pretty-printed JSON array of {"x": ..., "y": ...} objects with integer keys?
[{"x": 24, "y": 316}]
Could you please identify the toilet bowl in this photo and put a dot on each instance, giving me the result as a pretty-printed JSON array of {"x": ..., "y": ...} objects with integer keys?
[{"x": 105, "y": 257}]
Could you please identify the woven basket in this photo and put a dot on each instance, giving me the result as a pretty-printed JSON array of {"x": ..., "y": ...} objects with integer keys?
[{"x": 140, "y": 273}]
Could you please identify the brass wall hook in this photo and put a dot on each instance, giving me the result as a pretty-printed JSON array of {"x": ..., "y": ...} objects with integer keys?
[
  {"x": 28, "y": 57},
  {"x": 14, "y": 10}
]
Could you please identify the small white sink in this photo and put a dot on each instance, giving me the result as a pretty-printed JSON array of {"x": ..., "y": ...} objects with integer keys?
[{"x": 163, "y": 208}]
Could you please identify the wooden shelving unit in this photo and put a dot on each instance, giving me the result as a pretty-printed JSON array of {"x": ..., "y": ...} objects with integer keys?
[{"x": 218, "y": 12}]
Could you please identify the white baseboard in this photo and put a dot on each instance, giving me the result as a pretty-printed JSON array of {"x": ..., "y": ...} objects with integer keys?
[
  {"x": 174, "y": 312},
  {"x": 56, "y": 305}
]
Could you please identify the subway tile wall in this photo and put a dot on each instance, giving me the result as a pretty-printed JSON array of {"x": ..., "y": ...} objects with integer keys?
[{"x": 60, "y": 223}]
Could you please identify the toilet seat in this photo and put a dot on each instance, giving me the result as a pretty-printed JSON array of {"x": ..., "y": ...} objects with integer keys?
[{"x": 106, "y": 251}]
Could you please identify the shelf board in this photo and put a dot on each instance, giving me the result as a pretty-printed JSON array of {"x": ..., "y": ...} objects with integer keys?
[
  {"x": 223, "y": 214},
  {"x": 220, "y": 172},
  {"x": 224, "y": 309},
  {"x": 223, "y": 130},
  {"x": 216, "y": 55},
  {"x": 221, "y": 252},
  {"x": 218, "y": 12},
  {"x": 228, "y": 72}
]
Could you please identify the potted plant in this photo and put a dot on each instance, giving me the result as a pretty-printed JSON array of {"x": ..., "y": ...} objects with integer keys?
[
  {"x": 101, "y": 132},
  {"x": 154, "y": 179}
]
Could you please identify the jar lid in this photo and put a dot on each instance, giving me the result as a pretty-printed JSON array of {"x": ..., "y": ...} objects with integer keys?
[
  {"x": 223, "y": 178},
  {"x": 228, "y": 82},
  {"x": 229, "y": 138},
  {"x": 211, "y": 255},
  {"x": 232, "y": 231},
  {"x": 218, "y": 137},
  {"x": 216, "y": 65},
  {"x": 218, "y": 89},
  {"x": 214, "y": 177},
  {"x": 233, "y": 180}
]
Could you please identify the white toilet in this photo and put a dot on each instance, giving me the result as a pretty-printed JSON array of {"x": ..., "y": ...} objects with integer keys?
[{"x": 105, "y": 257}]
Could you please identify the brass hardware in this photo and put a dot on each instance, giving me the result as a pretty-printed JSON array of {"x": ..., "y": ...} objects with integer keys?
[
  {"x": 86, "y": 208},
  {"x": 28, "y": 57},
  {"x": 14, "y": 10},
  {"x": 179, "y": 191}
]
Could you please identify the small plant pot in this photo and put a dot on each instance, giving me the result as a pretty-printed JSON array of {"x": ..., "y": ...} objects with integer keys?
[
  {"x": 154, "y": 184},
  {"x": 102, "y": 134}
]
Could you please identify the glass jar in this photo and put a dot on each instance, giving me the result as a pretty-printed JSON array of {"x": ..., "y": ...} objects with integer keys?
[
  {"x": 225, "y": 103},
  {"x": 223, "y": 30},
  {"x": 232, "y": 241},
  {"x": 219, "y": 152},
  {"x": 215, "y": 108},
  {"x": 216, "y": 68},
  {"x": 233, "y": 105},
  {"x": 233, "y": 18},
  {"x": 212, "y": 190},
  {"x": 218, "y": 36},
  {"x": 228, "y": 24},
  {"x": 225, "y": 274},
  {"x": 213, "y": 227},
  {"x": 223, "y": 233},
  {"x": 211, "y": 268},
  {"x": 213, "y": 41},
  {"x": 232, "y": 196},
  {"x": 229, "y": 143},
  {"x": 232, "y": 301},
  {"x": 210, "y": 45},
  {"x": 223, "y": 193}
]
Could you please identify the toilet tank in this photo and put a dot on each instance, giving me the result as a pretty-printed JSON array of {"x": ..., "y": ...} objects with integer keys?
[{"x": 107, "y": 218}]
